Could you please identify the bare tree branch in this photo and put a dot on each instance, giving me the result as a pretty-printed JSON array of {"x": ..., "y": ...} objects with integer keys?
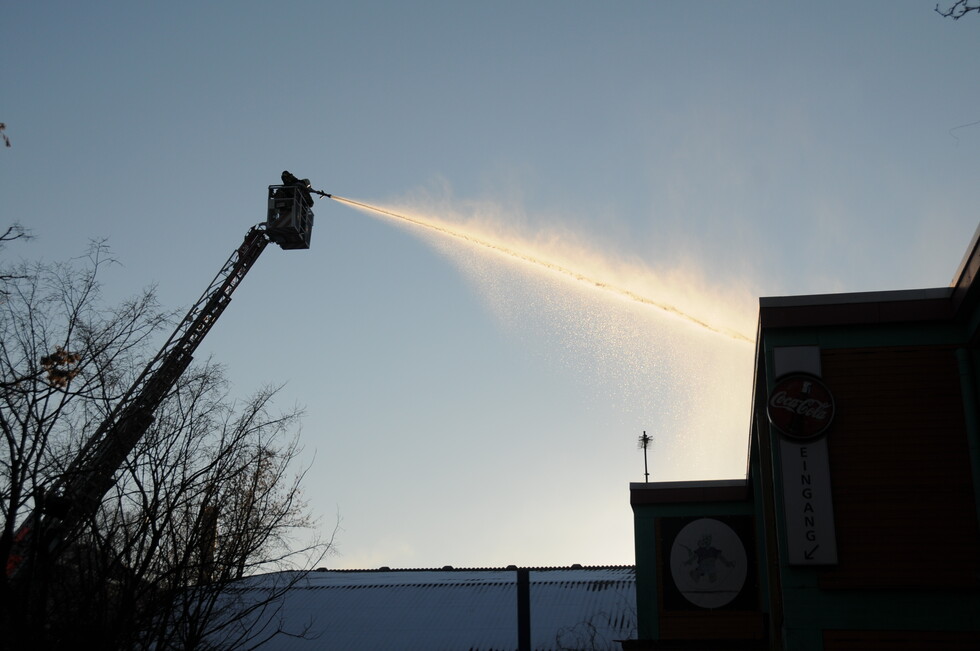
[
  {"x": 958, "y": 9},
  {"x": 209, "y": 496}
]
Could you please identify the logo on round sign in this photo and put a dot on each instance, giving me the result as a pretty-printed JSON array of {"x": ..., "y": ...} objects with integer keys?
[{"x": 801, "y": 406}]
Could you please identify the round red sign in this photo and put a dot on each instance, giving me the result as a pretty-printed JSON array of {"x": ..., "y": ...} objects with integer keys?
[{"x": 800, "y": 406}]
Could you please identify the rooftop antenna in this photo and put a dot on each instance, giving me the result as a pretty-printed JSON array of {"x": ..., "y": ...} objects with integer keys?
[{"x": 644, "y": 443}]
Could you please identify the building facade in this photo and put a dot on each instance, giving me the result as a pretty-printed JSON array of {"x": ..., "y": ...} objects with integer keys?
[{"x": 856, "y": 526}]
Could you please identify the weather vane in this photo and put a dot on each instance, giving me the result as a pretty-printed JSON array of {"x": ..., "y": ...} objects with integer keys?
[{"x": 644, "y": 443}]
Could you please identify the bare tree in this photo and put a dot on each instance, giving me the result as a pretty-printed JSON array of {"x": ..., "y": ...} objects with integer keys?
[
  {"x": 588, "y": 635},
  {"x": 209, "y": 495},
  {"x": 601, "y": 630},
  {"x": 13, "y": 232},
  {"x": 958, "y": 8}
]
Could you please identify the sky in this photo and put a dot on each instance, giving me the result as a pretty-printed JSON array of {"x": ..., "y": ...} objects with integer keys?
[{"x": 597, "y": 195}]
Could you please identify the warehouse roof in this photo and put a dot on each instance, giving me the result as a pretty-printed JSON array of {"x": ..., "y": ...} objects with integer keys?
[{"x": 457, "y": 609}]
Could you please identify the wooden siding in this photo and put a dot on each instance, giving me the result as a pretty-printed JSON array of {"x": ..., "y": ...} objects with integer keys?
[
  {"x": 900, "y": 471},
  {"x": 901, "y": 640},
  {"x": 718, "y": 625}
]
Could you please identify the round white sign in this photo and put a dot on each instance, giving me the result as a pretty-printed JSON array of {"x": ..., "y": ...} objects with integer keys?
[{"x": 708, "y": 563}]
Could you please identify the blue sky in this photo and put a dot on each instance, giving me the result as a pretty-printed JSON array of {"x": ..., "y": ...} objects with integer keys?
[{"x": 464, "y": 407}]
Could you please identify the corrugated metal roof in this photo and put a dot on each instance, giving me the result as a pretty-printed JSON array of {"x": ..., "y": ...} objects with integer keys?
[{"x": 452, "y": 609}]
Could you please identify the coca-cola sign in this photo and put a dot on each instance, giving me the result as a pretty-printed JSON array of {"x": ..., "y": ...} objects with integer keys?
[{"x": 801, "y": 406}]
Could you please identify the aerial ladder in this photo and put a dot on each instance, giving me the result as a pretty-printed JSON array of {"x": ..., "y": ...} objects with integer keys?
[{"x": 74, "y": 496}]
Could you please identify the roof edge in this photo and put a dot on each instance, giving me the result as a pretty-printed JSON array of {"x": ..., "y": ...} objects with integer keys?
[
  {"x": 672, "y": 492},
  {"x": 859, "y": 308},
  {"x": 892, "y": 295},
  {"x": 450, "y": 568},
  {"x": 971, "y": 255}
]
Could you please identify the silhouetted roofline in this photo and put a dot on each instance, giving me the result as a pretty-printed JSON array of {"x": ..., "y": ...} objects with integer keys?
[
  {"x": 673, "y": 492},
  {"x": 966, "y": 272},
  {"x": 891, "y": 306},
  {"x": 450, "y": 568}
]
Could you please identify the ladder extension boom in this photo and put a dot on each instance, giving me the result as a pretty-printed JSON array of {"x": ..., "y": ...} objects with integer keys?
[{"x": 76, "y": 494}]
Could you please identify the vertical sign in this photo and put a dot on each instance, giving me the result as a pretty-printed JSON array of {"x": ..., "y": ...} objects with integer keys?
[
  {"x": 801, "y": 408},
  {"x": 809, "y": 510}
]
